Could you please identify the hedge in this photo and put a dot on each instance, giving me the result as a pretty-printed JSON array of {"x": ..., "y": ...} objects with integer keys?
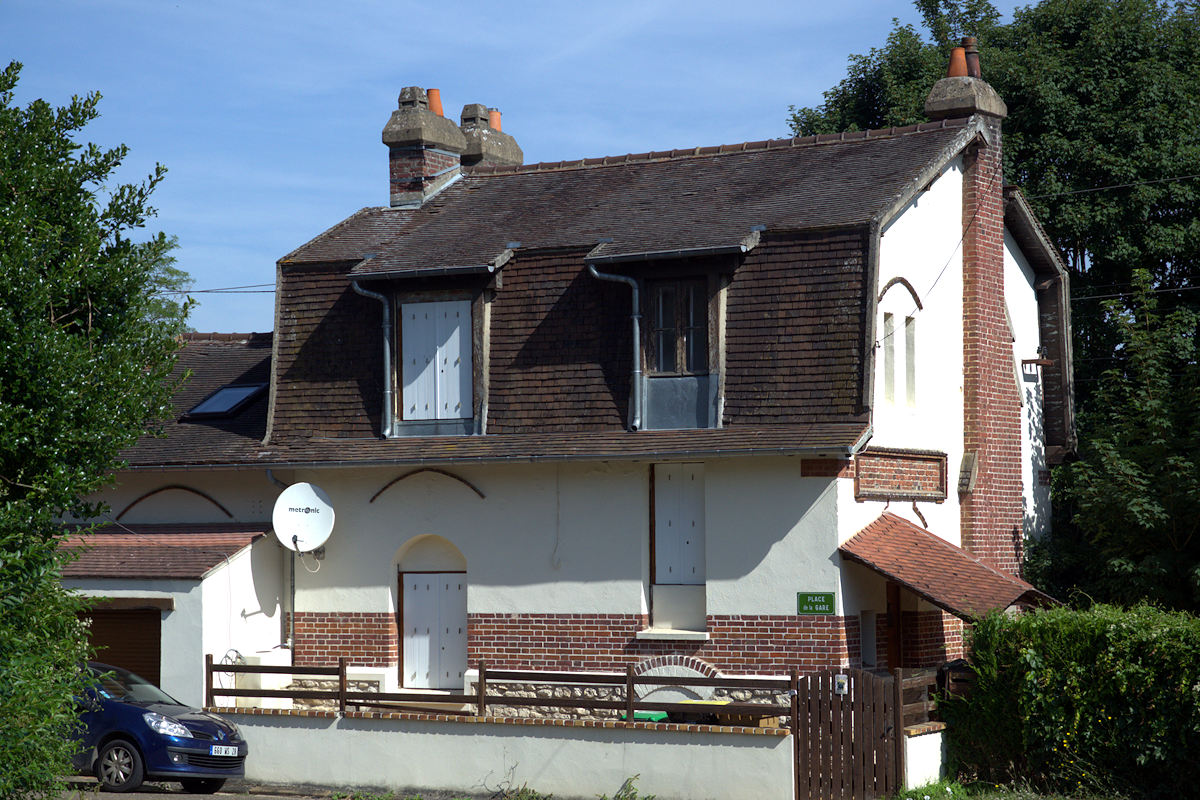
[{"x": 1105, "y": 699}]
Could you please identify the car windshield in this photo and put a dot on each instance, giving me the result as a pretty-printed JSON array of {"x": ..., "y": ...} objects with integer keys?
[{"x": 114, "y": 683}]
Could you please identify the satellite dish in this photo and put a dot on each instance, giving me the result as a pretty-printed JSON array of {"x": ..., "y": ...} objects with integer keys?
[{"x": 303, "y": 517}]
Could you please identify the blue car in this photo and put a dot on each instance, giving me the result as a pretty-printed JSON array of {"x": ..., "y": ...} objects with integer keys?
[{"x": 133, "y": 731}]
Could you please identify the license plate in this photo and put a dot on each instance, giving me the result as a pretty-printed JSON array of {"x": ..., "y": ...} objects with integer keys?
[{"x": 222, "y": 750}]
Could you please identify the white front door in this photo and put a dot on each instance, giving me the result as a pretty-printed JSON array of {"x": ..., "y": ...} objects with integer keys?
[{"x": 434, "y": 629}]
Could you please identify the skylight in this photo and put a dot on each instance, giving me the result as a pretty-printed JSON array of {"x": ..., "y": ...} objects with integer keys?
[{"x": 226, "y": 401}]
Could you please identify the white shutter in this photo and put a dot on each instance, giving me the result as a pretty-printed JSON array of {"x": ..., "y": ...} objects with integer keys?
[
  {"x": 454, "y": 376},
  {"x": 666, "y": 526},
  {"x": 420, "y": 630},
  {"x": 452, "y": 621},
  {"x": 679, "y": 524},
  {"x": 691, "y": 523},
  {"x": 418, "y": 342}
]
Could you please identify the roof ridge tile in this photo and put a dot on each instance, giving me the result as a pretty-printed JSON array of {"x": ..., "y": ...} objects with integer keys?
[{"x": 716, "y": 150}]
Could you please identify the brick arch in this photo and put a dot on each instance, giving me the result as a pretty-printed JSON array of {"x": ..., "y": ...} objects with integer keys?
[{"x": 688, "y": 662}]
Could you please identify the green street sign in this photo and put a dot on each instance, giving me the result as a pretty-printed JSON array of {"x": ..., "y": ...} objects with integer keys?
[{"x": 814, "y": 602}]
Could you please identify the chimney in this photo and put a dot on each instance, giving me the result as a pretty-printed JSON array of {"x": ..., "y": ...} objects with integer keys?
[
  {"x": 963, "y": 91},
  {"x": 990, "y": 512},
  {"x": 486, "y": 144},
  {"x": 424, "y": 148}
]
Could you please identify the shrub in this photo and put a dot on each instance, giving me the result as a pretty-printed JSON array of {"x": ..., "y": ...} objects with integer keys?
[{"x": 1104, "y": 699}]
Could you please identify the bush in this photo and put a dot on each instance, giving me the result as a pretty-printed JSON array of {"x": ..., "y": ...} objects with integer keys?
[{"x": 1103, "y": 700}]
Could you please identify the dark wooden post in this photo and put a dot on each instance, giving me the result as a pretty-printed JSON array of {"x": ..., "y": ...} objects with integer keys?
[
  {"x": 481, "y": 688},
  {"x": 342, "y": 684},
  {"x": 794, "y": 696},
  {"x": 629, "y": 718},
  {"x": 898, "y": 724},
  {"x": 208, "y": 680}
]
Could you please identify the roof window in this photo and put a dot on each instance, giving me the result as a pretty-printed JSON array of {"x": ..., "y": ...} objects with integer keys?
[{"x": 226, "y": 401}]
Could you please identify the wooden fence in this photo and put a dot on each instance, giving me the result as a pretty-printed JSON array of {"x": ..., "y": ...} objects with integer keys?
[{"x": 847, "y": 723}]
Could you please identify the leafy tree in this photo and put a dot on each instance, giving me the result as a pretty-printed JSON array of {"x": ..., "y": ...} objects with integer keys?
[
  {"x": 85, "y": 358},
  {"x": 1134, "y": 492},
  {"x": 1100, "y": 93}
]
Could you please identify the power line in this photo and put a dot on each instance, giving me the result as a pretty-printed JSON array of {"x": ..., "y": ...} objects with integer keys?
[
  {"x": 1131, "y": 294},
  {"x": 1114, "y": 186}
]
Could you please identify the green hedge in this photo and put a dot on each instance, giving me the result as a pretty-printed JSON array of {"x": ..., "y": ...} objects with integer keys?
[{"x": 1105, "y": 699}]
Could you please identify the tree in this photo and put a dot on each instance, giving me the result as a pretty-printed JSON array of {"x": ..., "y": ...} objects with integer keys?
[
  {"x": 1134, "y": 492},
  {"x": 85, "y": 358},
  {"x": 1100, "y": 93}
]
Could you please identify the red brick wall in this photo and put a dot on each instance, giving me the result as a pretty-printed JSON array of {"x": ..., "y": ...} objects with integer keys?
[
  {"x": 930, "y": 638},
  {"x": 407, "y": 166},
  {"x": 991, "y": 514},
  {"x": 739, "y": 644},
  {"x": 367, "y": 639},
  {"x": 881, "y": 474}
]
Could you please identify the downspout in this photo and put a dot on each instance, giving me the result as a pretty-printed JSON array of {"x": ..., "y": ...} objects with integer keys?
[
  {"x": 388, "y": 400},
  {"x": 635, "y": 400}
]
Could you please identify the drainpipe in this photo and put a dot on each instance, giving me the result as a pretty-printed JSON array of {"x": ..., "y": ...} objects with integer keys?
[
  {"x": 388, "y": 402},
  {"x": 635, "y": 400}
]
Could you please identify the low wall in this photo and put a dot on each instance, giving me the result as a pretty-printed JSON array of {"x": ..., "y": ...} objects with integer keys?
[
  {"x": 924, "y": 754},
  {"x": 477, "y": 755}
]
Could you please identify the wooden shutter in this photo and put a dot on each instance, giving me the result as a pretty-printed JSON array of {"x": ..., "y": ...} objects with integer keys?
[
  {"x": 679, "y": 552},
  {"x": 418, "y": 342}
]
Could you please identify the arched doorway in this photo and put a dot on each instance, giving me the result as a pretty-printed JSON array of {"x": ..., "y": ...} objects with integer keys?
[{"x": 432, "y": 597}]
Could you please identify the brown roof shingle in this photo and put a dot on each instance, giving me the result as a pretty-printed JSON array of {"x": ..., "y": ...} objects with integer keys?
[
  {"x": 157, "y": 551},
  {"x": 945, "y": 575}
]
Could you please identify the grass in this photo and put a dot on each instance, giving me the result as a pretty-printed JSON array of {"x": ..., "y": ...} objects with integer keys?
[{"x": 951, "y": 790}]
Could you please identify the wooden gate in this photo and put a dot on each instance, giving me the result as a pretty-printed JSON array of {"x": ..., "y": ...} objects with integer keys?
[{"x": 849, "y": 733}]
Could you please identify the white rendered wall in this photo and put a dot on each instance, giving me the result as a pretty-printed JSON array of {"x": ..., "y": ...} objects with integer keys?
[
  {"x": 564, "y": 761},
  {"x": 924, "y": 759},
  {"x": 574, "y": 538},
  {"x": 923, "y": 245},
  {"x": 1021, "y": 299},
  {"x": 242, "y": 601},
  {"x": 182, "y": 652},
  {"x": 246, "y": 494}
]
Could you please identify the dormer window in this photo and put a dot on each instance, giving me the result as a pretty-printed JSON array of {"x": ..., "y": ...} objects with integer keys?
[
  {"x": 679, "y": 327},
  {"x": 226, "y": 401}
]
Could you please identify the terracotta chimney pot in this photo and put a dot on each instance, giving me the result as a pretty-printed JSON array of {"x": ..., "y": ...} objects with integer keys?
[
  {"x": 971, "y": 46},
  {"x": 494, "y": 118},
  {"x": 435, "y": 101},
  {"x": 958, "y": 63}
]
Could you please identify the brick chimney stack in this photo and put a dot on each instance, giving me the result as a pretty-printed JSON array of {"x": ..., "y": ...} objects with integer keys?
[
  {"x": 424, "y": 149},
  {"x": 991, "y": 513},
  {"x": 487, "y": 145}
]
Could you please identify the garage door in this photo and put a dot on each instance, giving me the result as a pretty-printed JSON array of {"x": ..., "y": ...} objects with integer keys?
[{"x": 129, "y": 639}]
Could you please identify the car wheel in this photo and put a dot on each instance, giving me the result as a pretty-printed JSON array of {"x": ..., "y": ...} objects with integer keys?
[
  {"x": 202, "y": 785},
  {"x": 119, "y": 768}
]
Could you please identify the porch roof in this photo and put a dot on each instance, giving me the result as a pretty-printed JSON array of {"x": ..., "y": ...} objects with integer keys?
[
  {"x": 157, "y": 551},
  {"x": 947, "y": 576}
]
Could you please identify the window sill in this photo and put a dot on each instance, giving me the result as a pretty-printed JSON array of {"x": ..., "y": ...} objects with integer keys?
[{"x": 671, "y": 635}]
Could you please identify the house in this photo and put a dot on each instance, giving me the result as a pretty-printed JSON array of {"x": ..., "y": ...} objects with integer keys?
[{"x": 732, "y": 409}]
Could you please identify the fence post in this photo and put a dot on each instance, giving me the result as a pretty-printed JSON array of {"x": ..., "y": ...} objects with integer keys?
[
  {"x": 794, "y": 692},
  {"x": 629, "y": 694},
  {"x": 341, "y": 684},
  {"x": 208, "y": 680},
  {"x": 481, "y": 688},
  {"x": 898, "y": 725}
]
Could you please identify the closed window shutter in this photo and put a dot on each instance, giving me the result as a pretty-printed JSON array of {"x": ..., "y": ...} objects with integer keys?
[
  {"x": 454, "y": 375},
  {"x": 679, "y": 531},
  {"x": 418, "y": 338}
]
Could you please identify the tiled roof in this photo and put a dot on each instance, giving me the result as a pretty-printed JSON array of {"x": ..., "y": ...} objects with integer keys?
[
  {"x": 706, "y": 197},
  {"x": 945, "y": 575},
  {"x": 157, "y": 551},
  {"x": 214, "y": 360}
]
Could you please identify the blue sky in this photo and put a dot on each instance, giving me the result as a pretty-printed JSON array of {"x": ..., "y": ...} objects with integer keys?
[{"x": 268, "y": 114}]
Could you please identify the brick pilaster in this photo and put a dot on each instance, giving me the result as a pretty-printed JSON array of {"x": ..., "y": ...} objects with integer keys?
[{"x": 992, "y": 512}]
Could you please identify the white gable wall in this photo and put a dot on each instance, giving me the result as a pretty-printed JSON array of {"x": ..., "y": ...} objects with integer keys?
[
  {"x": 1021, "y": 299},
  {"x": 923, "y": 245}
]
